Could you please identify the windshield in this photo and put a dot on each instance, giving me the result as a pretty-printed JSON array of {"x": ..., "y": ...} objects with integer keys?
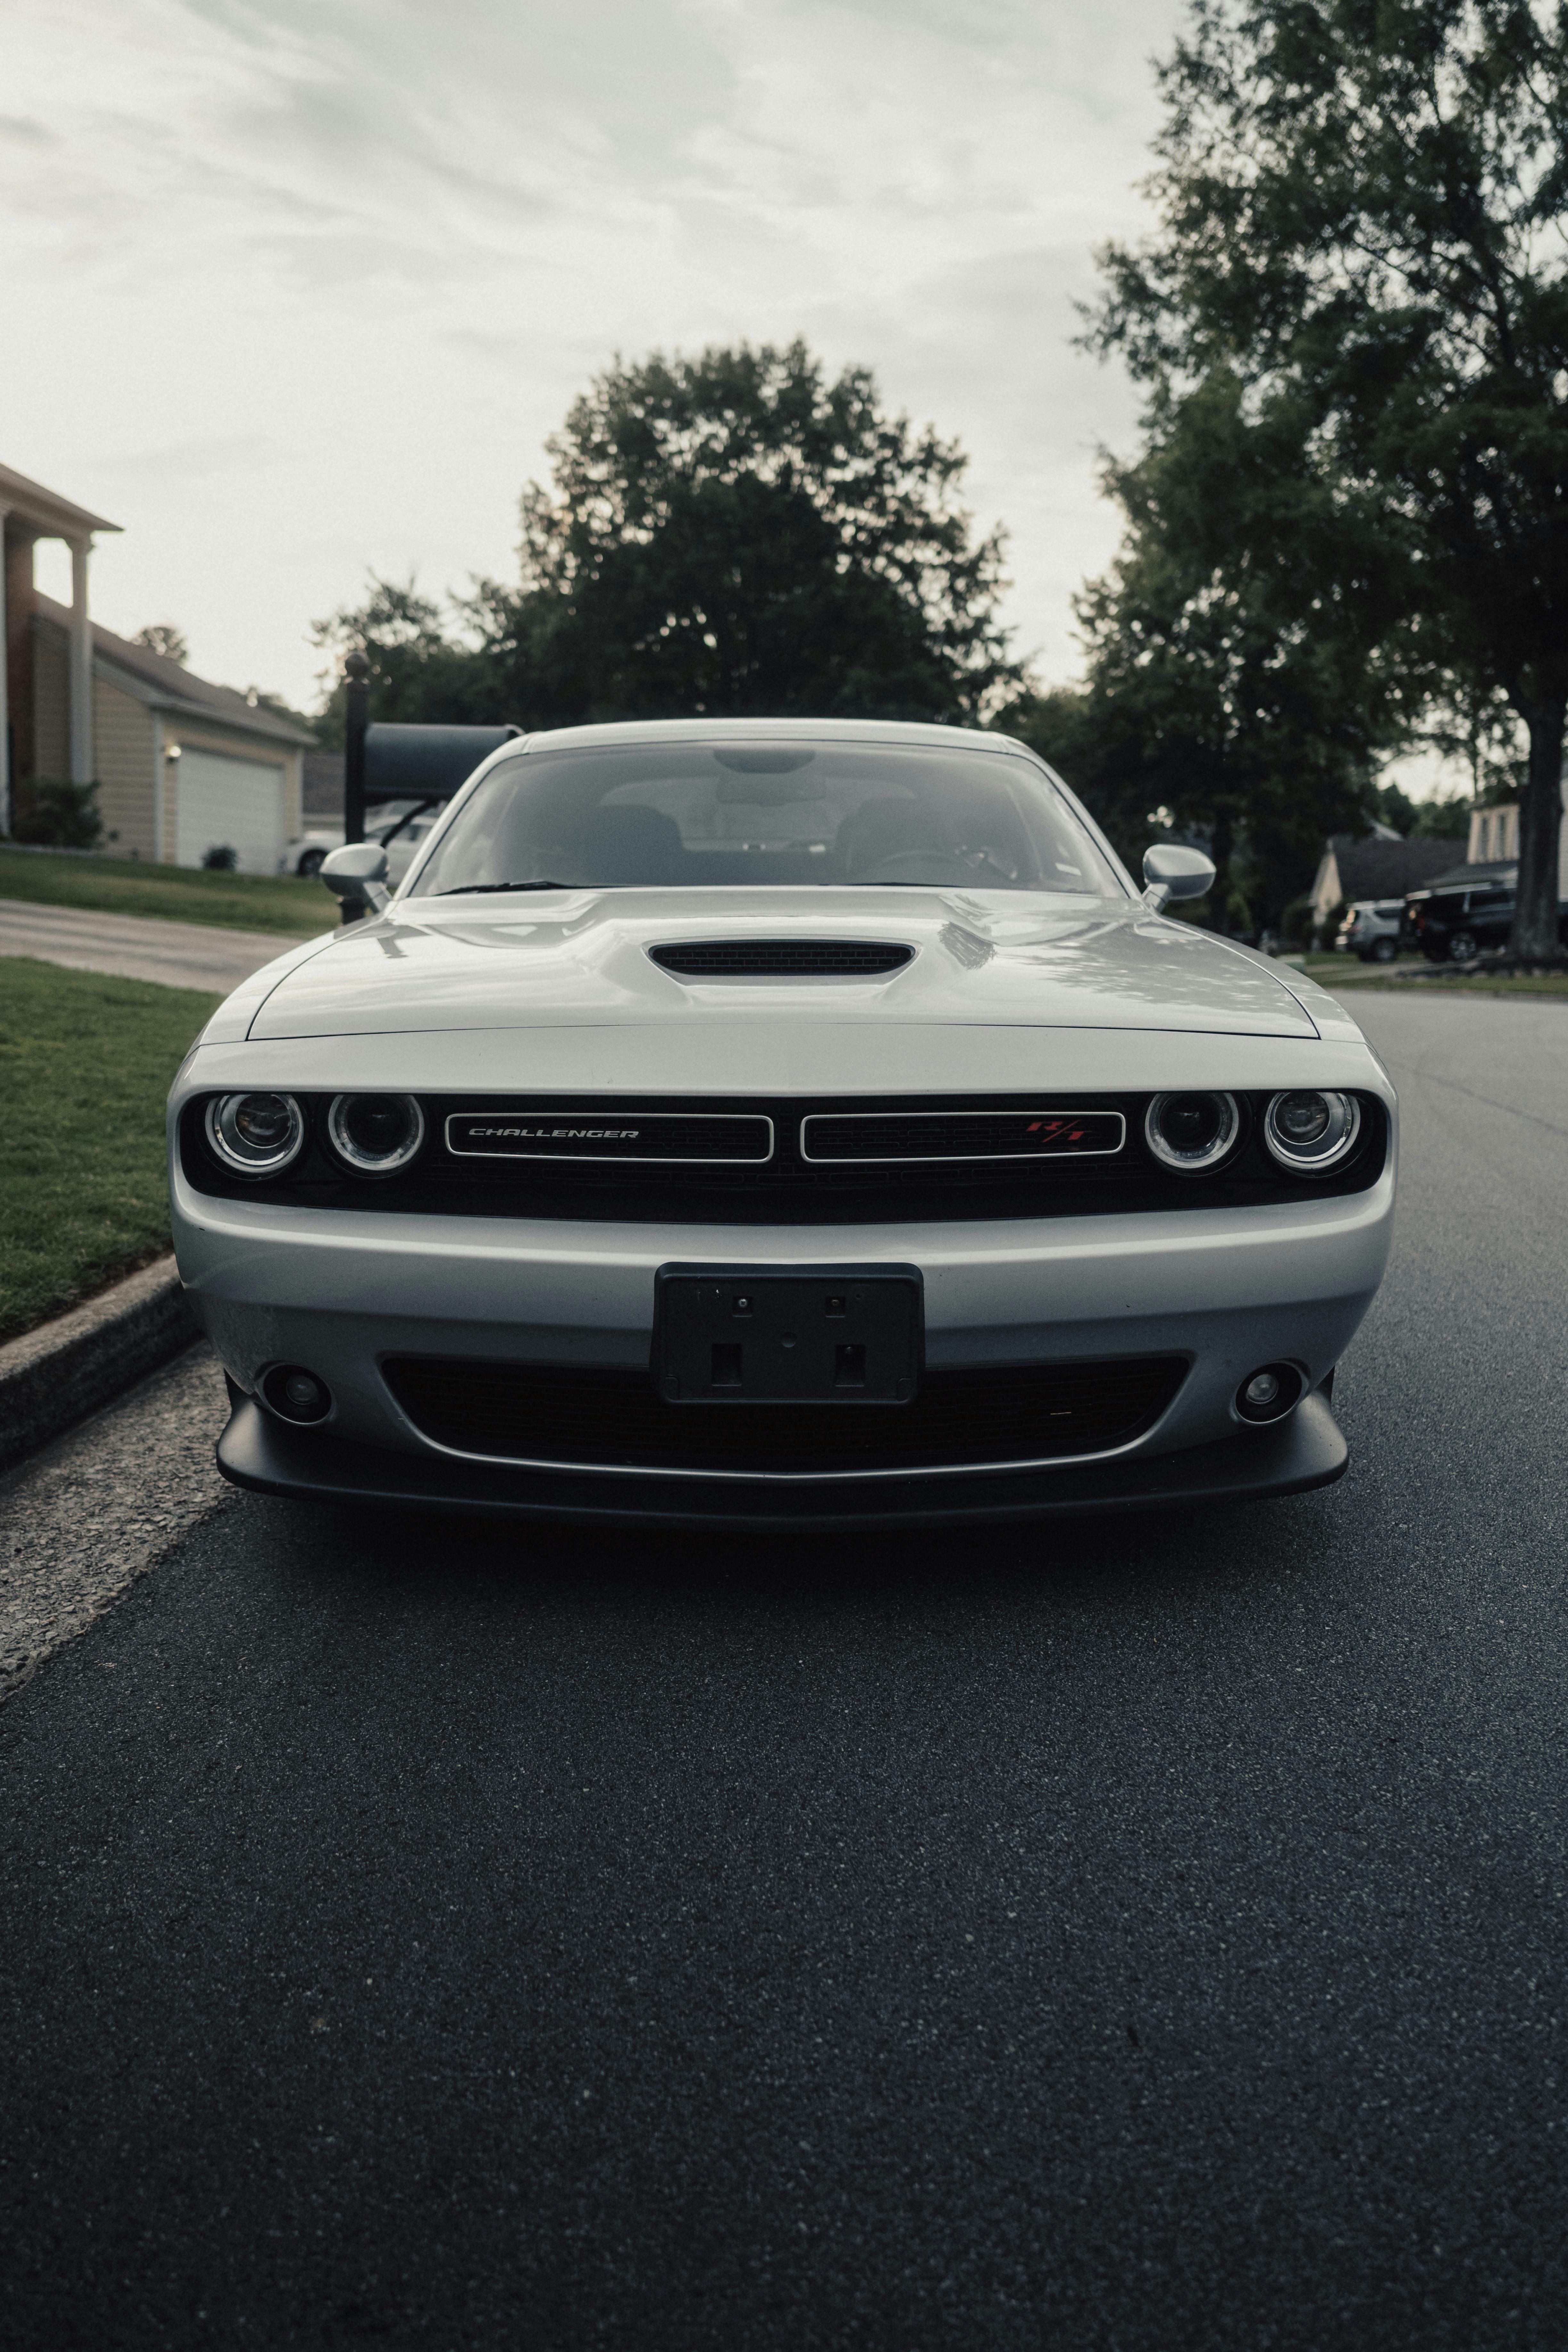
[{"x": 663, "y": 815}]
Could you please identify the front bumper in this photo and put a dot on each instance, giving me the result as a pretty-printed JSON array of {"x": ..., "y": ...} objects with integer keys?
[
  {"x": 1224, "y": 1289},
  {"x": 263, "y": 1454}
]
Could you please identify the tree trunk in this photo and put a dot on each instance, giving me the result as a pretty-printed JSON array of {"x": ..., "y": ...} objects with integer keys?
[{"x": 1540, "y": 826}]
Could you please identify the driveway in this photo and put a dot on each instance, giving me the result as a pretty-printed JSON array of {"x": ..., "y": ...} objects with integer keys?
[
  {"x": 178, "y": 955},
  {"x": 1129, "y": 1936}
]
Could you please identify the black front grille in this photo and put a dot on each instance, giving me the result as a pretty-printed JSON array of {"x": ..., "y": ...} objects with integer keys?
[
  {"x": 660, "y": 1137},
  {"x": 781, "y": 958},
  {"x": 615, "y": 1420},
  {"x": 963, "y": 1135},
  {"x": 743, "y": 1182}
]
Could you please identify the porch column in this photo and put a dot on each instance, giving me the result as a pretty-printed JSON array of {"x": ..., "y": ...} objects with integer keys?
[
  {"x": 4, "y": 688},
  {"x": 80, "y": 667}
]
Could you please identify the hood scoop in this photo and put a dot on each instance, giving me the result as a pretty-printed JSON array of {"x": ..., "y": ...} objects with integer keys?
[{"x": 743, "y": 958}]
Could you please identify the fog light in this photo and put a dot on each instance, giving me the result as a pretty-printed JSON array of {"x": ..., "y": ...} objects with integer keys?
[
  {"x": 254, "y": 1135},
  {"x": 1270, "y": 1393},
  {"x": 297, "y": 1394},
  {"x": 1192, "y": 1132},
  {"x": 375, "y": 1134}
]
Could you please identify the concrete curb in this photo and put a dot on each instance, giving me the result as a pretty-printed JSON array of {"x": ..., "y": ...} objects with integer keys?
[{"x": 52, "y": 1377}]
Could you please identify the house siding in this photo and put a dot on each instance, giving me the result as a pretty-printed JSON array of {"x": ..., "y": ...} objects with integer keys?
[
  {"x": 122, "y": 756},
  {"x": 125, "y": 746},
  {"x": 52, "y": 712}
]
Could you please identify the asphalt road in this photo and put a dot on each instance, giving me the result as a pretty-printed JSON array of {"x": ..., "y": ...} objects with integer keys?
[{"x": 1138, "y": 1936}]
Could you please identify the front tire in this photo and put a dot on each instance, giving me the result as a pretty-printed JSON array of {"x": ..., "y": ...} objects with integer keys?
[
  {"x": 1385, "y": 950},
  {"x": 1463, "y": 948},
  {"x": 310, "y": 863}
]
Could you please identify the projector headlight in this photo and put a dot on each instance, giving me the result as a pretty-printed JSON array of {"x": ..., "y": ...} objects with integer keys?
[
  {"x": 254, "y": 1135},
  {"x": 375, "y": 1135},
  {"x": 1311, "y": 1132},
  {"x": 1192, "y": 1132}
]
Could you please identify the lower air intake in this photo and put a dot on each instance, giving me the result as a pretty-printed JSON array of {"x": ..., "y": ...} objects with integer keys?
[
  {"x": 614, "y": 1420},
  {"x": 781, "y": 958}
]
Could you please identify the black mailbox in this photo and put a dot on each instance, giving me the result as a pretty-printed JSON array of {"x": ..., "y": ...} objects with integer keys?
[{"x": 426, "y": 763}]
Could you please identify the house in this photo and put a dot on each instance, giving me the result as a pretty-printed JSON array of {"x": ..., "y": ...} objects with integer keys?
[
  {"x": 324, "y": 788},
  {"x": 182, "y": 766},
  {"x": 1494, "y": 841},
  {"x": 1382, "y": 864}
]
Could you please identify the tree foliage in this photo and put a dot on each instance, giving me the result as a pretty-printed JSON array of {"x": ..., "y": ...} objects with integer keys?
[
  {"x": 730, "y": 535},
  {"x": 163, "y": 637},
  {"x": 1217, "y": 703},
  {"x": 1361, "y": 206},
  {"x": 419, "y": 674},
  {"x": 734, "y": 535}
]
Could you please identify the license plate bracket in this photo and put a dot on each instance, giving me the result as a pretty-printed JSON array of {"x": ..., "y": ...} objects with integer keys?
[{"x": 828, "y": 1335}]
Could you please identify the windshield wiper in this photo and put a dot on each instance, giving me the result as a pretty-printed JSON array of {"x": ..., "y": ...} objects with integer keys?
[{"x": 470, "y": 890}]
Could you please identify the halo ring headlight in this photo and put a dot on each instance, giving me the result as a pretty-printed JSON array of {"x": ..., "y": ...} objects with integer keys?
[
  {"x": 1192, "y": 1132},
  {"x": 375, "y": 1135},
  {"x": 1311, "y": 1130},
  {"x": 254, "y": 1135}
]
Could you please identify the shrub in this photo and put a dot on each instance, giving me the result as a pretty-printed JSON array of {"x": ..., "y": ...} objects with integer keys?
[
  {"x": 54, "y": 815},
  {"x": 221, "y": 861},
  {"x": 1296, "y": 924},
  {"x": 1327, "y": 929}
]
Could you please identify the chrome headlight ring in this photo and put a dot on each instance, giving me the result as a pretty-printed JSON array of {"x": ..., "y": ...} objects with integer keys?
[
  {"x": 375, "y": 1134},
  {"x": 1311, "y": 1130},
  {"x": 255, "y": 1135},
  {"x": 1192, "y": 1132}
]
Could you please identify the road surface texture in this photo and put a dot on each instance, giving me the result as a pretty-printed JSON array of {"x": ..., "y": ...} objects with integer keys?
[
  {"x": 1134, "y": 1936},
  {"x": 135, "y": 947}
]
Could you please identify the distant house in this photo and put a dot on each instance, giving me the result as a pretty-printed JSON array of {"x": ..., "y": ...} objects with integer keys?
[
  {"x": 182, "y": 766},
  {"x": 324, "y": 788},
  {"x": 1494, "y": 841},
  {"x": 1382, "y": 865}
]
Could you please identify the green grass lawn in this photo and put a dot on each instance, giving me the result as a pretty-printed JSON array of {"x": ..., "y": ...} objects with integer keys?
[
  {"x": 178, "y": 894},
  {"x": 1341, "y": 973},
  {"x": 85, "y": 1065}
]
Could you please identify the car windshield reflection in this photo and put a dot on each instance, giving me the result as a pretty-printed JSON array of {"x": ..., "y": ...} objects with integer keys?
[{"x": 758, "y": 813}]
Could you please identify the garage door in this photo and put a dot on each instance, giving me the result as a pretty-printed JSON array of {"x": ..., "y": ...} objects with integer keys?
[{"x": 229, "y": 805}]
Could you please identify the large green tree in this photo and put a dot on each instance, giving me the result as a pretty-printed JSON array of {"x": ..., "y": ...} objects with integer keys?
[
  {"x": 1218, "y": 693},
  {"x": 736, "y": 535},
  {"x": 727, "y": 536},
  {"x": 1361, "y": 212}
]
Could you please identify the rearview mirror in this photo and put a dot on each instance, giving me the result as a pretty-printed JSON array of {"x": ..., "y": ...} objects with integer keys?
[
  {"x": 1169, "y": 872},
  {"x": 357, "y": 874}
]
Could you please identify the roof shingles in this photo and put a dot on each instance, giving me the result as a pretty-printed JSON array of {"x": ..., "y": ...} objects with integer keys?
[{"x": 167, "y": 686}]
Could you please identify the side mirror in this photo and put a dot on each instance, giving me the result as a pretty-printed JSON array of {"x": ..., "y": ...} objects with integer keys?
[
  {"x": 1169, "y": 872},
  {"x": 357, "y": 873}
]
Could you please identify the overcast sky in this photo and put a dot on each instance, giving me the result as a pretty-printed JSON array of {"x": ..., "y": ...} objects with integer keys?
[{"x": 297, "y": 287}]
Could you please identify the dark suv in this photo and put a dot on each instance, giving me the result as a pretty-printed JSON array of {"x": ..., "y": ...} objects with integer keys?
[{"x": 1451, "y": 925}]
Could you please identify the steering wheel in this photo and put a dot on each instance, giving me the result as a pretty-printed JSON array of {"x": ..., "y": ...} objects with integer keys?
[{"x": 931, "y": 865}]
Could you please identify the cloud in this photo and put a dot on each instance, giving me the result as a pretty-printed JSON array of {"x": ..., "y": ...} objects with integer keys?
[
  {"x": 314, "y": 280},
  {"x": 189, "y": 461}
]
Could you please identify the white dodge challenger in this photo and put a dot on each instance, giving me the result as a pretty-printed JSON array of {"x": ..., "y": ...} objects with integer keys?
[{"x": 778, "y": 1124}]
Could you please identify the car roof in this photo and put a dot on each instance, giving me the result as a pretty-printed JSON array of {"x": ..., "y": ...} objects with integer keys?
[{"x": 730, "y": 730}]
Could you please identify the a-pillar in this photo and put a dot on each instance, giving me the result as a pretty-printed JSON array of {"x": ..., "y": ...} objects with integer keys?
[{"x": 80, "y": 667}]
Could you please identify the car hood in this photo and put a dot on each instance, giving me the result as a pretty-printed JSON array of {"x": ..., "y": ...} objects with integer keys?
[{"x": 581, "y": 958}]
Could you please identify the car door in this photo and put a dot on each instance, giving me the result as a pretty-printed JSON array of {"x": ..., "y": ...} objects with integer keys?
[{"x": 1489, "y": 914}]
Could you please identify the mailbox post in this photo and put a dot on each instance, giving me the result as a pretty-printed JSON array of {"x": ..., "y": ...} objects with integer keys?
[{"x": 356, "y": 702}]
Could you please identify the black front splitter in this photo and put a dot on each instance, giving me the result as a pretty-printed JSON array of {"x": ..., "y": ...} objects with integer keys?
[{"x": 267, "y": 1456}]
